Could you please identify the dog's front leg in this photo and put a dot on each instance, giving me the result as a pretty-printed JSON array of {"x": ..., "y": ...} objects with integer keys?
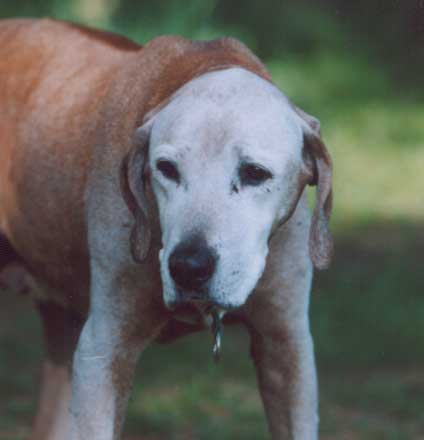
[
  {"x": 286, "y": 375},
  {"x": 102, "y": 375},
  {"x": 282, "y": 350},
  {"x": 117, "y": 330}
]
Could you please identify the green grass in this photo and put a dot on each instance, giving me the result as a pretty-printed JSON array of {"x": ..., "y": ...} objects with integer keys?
[
  {"x": 374, "y": 130},
  {"x": 367, "y": 312},
  {"x": 179, "y": 394}
]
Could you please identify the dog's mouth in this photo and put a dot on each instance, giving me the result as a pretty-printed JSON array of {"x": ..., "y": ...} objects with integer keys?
[{"x": 203, "y": 314}]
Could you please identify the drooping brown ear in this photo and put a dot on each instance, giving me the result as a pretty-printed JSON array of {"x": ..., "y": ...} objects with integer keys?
[
  {"x": 319, "y": 165},
  {"x": 133, "y": 188}
]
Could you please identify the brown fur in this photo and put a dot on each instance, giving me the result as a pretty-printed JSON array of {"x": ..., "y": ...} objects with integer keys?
[{"x": 64, "y": 89}]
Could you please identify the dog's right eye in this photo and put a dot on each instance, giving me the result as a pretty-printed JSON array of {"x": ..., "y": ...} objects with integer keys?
[{"x": 168, "y": 169}]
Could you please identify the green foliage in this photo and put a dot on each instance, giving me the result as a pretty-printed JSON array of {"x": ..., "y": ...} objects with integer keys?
[{"x": 391, "y": 31}]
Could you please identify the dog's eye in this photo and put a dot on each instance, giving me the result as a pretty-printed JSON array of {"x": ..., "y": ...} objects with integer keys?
[
  {"x": 251, "y": 174},
  {"x": 168, "y": 169}
]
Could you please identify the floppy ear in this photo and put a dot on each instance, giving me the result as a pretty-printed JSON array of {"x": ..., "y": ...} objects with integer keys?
[
  {"x": 133, "y": 187},
  {"x": 319, "y": 168}
]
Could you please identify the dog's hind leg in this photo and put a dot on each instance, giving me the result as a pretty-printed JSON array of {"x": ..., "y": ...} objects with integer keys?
[
  {"x": 7, "y": 253},
  {"x": 61, "y": 329}
]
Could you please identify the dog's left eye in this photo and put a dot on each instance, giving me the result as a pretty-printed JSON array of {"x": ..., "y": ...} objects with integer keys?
[{"x": 252, "y": 174}]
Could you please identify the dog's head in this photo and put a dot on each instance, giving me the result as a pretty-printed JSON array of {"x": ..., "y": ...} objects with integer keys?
[{"x": 227, "y": 157}]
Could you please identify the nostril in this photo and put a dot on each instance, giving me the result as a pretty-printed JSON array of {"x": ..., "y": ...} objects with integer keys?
[{"x": 191, "y": 267}]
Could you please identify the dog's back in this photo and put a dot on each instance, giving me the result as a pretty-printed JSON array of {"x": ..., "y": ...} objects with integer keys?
[{"x": 53, "y": 79}]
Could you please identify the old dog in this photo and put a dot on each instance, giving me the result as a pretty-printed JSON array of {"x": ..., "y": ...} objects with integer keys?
[{"x": 144, "y": 186}]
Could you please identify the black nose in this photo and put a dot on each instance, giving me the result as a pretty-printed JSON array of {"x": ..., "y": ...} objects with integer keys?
[{"x": 192, "y": 264}]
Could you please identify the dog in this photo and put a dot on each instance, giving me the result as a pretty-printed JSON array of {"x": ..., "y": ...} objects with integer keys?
[{"x": 151, "y": 191}]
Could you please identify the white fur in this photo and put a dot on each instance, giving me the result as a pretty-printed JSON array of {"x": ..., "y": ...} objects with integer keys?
[
  {"x": 211, "y": 123},
  {"x": 208, "y": 128}
]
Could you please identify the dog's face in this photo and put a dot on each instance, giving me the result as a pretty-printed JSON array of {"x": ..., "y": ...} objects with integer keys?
[{"x": 227, "y": 164}]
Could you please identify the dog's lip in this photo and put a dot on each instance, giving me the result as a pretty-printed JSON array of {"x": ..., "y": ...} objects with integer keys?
[
  {"x": 190, "y": 302},
  {"x": 202, "y": 306},
  {"x": 196, "y": 310}
]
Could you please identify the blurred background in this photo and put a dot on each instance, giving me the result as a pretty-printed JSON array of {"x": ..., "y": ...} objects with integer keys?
[{"x": 358, "y": 67}]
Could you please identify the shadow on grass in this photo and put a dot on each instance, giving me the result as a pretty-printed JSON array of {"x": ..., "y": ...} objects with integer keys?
[
  {"x": 368, "y": 328},
  {"x": 368, "y": 309}
]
